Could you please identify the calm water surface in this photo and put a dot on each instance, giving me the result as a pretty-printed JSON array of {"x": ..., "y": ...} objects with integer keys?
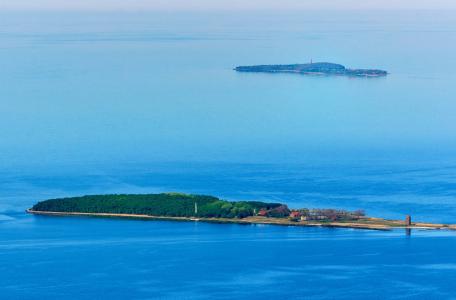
[
  {"x": 138, "y": 103},
  {"x": 86, "y": 258}
]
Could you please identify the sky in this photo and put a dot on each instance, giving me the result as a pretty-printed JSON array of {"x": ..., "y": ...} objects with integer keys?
[{"x": 222, "y": 5}]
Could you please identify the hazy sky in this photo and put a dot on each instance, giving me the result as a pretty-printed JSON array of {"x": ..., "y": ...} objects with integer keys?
[{"x": 222, "y": 5}]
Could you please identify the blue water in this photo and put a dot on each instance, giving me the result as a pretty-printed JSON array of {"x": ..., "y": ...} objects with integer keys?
[
  {"x": 139, "y": 103},
  {"x": 85, "y": 258}
]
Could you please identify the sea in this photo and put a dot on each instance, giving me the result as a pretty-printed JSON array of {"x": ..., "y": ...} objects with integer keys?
[{"x": 147, "y": 102}]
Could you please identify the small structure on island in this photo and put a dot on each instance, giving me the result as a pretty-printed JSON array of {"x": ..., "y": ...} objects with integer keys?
[
  {"x": 195, "y": 217},
  {"x": 295, "y": 214},
  {"x": 408, "y": 220},
  {"x": 263, "y": 213}
]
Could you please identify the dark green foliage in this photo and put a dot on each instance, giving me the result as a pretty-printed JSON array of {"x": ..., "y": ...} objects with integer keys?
[
  {"x": 312, "y": 68},
  {"x": 166, "y": 204}
]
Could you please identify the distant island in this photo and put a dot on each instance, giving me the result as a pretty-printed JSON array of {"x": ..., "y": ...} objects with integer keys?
[
  {"x": 185, "y": 207},
  {"x": 317, "y": 68}
]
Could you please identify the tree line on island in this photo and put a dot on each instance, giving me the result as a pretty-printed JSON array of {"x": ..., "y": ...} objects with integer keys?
[{"x": 185, "y": 205}]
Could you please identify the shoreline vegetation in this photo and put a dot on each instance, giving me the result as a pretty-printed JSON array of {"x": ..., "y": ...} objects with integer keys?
[
  {"x": 313, "y": 68},
  {"x": 185, "y": 207}
]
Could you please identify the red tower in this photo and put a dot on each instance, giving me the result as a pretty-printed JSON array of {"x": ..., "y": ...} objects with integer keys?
[{"x": 408, "y": 220}]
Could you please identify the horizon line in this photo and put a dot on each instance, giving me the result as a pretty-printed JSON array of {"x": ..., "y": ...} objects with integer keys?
[{"x": 211, "y": 10}]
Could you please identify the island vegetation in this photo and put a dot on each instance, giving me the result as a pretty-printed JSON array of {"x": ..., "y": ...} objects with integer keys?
[
  {"x": 317, "y": 68},
  {"x": 185, "y": 207},
  {"x": 165, "y": 204}
]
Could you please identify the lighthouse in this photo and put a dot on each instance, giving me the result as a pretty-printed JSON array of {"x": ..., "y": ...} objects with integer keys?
[{"x": 408, "y": 220}]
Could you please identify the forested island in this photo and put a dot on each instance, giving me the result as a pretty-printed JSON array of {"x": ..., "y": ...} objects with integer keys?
[
  {"x": 185, "y": 207},
  {"x": 317, "y": 68}
]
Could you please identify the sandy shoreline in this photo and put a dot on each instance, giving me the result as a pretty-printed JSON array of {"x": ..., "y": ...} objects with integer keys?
[{"x": 367, "y": 223}]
